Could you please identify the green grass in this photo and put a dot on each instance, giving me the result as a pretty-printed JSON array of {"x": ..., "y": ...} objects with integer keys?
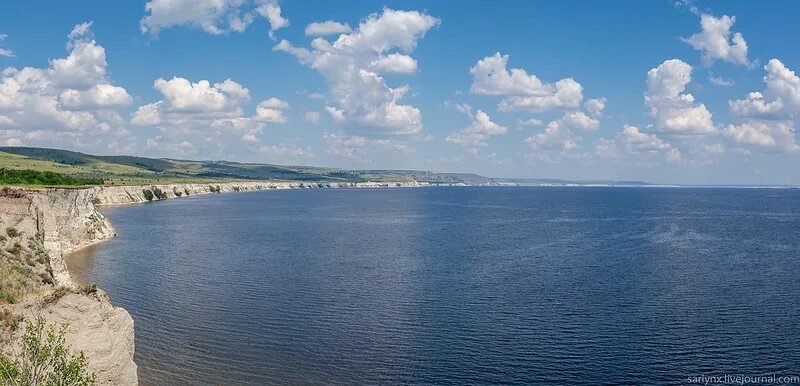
[{"x": 132, "y": 170}]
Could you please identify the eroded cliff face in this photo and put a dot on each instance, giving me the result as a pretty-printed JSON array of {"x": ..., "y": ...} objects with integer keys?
[
  {"x": 116, "y": 195},
  {"x": 63, "y": 220}
]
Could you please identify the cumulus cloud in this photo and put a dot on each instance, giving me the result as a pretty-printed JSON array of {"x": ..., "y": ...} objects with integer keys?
[
  {"x": 638, "y": 142},
  {"x": 5, "y": 51},
  {"x": 595, "y": 106},
  {"x": 560, "y": 133},
  {"x": 205, "y": 112},
  {"x": 215, "y": 17},
  {"x": 520, "y": 90},
  {"x": 769, "y": 117},
  {"x": 326, "y": 28},
  {"x": 353, "y": 66},
  {"x": 716, "y": 43},
  {"x": 479, "y": 130},
  {"x": 676, "y": 112},
  {"x": 70, "y": 101}
]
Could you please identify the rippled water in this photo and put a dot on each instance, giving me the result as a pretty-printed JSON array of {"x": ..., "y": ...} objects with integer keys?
[{"x": 457, "y": 285}]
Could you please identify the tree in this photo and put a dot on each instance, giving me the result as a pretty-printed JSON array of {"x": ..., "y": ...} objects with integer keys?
[{"x": 46, "y": 360}]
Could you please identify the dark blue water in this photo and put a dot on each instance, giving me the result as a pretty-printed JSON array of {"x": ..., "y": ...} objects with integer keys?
[{"x": 458, "y": 285}]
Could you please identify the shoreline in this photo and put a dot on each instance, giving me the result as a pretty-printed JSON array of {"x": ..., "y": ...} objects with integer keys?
[{"x": 67, "y": 220}]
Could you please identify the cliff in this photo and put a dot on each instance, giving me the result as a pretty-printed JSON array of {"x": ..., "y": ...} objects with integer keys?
[
  {"x": 116, "y": 195},
  {"x": 54, "y": 222}
]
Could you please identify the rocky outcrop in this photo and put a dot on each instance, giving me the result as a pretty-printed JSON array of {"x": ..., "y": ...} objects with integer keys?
[
  {"x": 104, "y": 333},
  {"x": 65, "y": 220}
]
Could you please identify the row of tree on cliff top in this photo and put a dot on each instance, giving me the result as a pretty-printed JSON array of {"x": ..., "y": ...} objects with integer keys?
[{"x": 33, "y": 177}]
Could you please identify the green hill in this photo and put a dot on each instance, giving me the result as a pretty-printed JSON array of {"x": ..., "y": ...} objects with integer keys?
[{"x": 133, "y": 170}]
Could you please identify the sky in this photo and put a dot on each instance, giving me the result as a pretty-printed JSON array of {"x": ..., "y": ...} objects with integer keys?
[{"x": 691, "y": 92}]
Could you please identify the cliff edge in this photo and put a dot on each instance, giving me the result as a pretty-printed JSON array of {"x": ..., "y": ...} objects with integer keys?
[{"x": 40, "y": 227}]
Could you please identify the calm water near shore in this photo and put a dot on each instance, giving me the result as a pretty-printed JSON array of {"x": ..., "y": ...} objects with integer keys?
[{"x": 457, "y": 285}]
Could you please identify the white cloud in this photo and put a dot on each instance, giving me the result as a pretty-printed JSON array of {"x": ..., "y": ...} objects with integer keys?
[
  {"x": 770, "y": 135},
  {"x": 395, "y": 63},
  {"x": 69, "y": 102},
  {"x": 5, "y": 51},
  {"x": 559, "y": 133},
  {"x": 215, "y": 17},
  {"x": 207, "y": 114},
  {"x": 479, "y": 130},
  {"x": 97, "y": 97},
  {"x": 521, "y": 91},
  {"x": 353, "y": 64},
  {"x": 531, "y": 122},
  {"x": 769, "y": 118},
  {"x": 637, "y": 142},
  {"x": 715, "y": 40},
  {"x": 675, "y": 111},
  {"x": 719, "y": 81},
  {"x": 181, "y": 95},
  {"x": 326, "y": 28},
  {"x": 756, "y": 106},
  {"x": 606, "y": 148},
  {"x": 272, "y": 11},
  {"x": 275, "y": 103},
  {"x": 595, "y": 107}
]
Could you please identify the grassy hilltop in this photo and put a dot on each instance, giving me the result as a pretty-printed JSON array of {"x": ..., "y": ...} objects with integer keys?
[{"x": 83, "y": 169}]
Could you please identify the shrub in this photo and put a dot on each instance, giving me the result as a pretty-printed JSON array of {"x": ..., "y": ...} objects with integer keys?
[
  {"x": 12, "y": 232},
  {"x": 57, "y": 294},
  {"x": 186, "y": 190},
  {"x": 33, "y": 177},
  {"x": 15, "y": 249},
  {"x": 8, "y": 319},
  {"x": 178, "y": 193},
  {"x": 7, "y": 297},
  {"x": 159, "y": 193},
  {"x": 148, "y": 194},
  {"x": 96, "y": 201},
  {"x": 46, "y": 359},
  {"x": 89, "y": 289}
]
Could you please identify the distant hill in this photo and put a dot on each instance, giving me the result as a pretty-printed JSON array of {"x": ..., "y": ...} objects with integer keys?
[{"x": 123, "y": 169}]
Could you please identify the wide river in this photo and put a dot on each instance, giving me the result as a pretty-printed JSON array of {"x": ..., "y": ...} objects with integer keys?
[{"x": 457, "y": 285}]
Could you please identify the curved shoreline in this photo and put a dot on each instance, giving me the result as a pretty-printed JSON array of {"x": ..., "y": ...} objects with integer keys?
[{"x": 68, "y": 220}]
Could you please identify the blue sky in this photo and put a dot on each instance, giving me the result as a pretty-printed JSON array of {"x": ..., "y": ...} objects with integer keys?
[{"x": 576, "y": 90}]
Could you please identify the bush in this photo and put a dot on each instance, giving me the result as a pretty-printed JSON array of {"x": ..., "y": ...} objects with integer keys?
[
  {"x": 96, "y": 201},
  {"x": 33, "y": 177},
  {"x": 7, "y": 297},
  {"x": 58, "y": 293},
  {"x": 159, "y": 193},
  {"x": 186, "y": 190},
  {"x": 12, "y": 232},
  {"x": 8, "y": 319},
  {"x": 46, "y": 359},
  {"x": 89, "y": 289},
  {"x": 148, "y": 194},
  {"x": 178, "y": 193}
]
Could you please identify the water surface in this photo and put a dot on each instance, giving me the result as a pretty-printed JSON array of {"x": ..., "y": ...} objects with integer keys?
[{"x": 457, "y": 285}]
